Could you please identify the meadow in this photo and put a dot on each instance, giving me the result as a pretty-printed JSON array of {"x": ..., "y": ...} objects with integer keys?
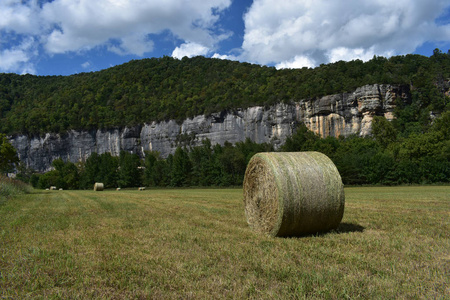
[{"x": 393, "y": 242}]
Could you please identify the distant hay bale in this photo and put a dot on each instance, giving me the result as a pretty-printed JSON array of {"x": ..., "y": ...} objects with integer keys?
[
  {"x": 118, "y": 189},
  {"x": 293, "y": 193},
  {"x": 142, "y": 188},
  {"x": 53, "y": 188},
  {"x": 60, "y": 189},
  {"x": 98, "y": 186}
]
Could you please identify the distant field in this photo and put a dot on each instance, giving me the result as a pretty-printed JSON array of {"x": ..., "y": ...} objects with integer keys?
[{"x": 394, "y": 242}]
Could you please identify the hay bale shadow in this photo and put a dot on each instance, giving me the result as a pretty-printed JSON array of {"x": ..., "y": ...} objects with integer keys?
[
  {"x": 342, "y": 228},
  {"x": 349, "y": 227}
]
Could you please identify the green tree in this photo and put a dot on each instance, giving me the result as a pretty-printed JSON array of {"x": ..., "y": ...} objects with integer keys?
[
  {"x": 156, "y": 170},
  {"x": 233, "y": 163},
  {"x": 130, "y": 171},
  {"x": 66, "y": 173},
  {"x": 302, "y": 140},
  {"x": 205, "y": 171},
  {"x": 383, "y": 131},
  {"x": 442, "y": 125},
  {"x": 381, "y": 168},
  {"x": 34, "y": 179},
  {"x": 8, "y": 155},
  {"x": 90, "y": 171},
  {"x": 353, "y": 158},
  {"x": 24, "y": 173},
  {"x": 181, "y": 168},
  {"x": 48, "y": 179},
  {"x": 108, "y": 170},
  {"x": 248, "y": 148},
  {"x": 429, "y": 154}
]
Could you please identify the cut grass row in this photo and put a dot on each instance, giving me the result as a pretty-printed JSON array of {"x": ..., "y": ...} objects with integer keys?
[{"x": 392, "y": 243}]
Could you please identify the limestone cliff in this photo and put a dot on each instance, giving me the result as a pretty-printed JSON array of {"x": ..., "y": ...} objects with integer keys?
[{"x": 334, "y": 115}]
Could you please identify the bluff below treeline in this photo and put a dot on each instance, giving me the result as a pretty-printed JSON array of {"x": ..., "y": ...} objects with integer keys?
[
  {"x": 335, "y": 115},
  {"x": 161, "y": 103}
]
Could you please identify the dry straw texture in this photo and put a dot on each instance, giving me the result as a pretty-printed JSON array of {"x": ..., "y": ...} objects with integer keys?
[
  {"x": 98, "y": 186},
  {"x": 293, "y": 193}
]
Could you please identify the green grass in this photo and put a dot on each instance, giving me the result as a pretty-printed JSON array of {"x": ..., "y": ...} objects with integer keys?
[
  {"x": 11, "y": 187},
  {"x": 393, "y": 243}
]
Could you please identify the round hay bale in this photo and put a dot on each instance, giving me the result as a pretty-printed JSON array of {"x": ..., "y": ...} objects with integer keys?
[
  {"x": 293, "y": 193},
  {"x": 98, "y": 186}
]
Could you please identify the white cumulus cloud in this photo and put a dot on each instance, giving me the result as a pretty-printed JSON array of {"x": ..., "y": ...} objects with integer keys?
[
  {"x": 86, "y": 65},
  {"x": 124, "y": 27},
  {"x": 299, "y": 61},
  {"x": 17, "y": 58},
  {"x": 189, "y": 49},
  {"x": 134, "y": 44},
  {"x": 20, "y": 16},
  {"x": 225, "y": 56},
  {"x": 85, "y": 24},
  {"x": 289, "y": 33}
]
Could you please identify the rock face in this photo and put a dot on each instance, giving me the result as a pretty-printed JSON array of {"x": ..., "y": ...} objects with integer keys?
[{"x": 334, "y": 115}]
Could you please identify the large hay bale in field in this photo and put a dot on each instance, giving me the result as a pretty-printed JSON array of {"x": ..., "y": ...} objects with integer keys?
[
  {"x": 293, "y": 193},
  {"x": 98, "y": 186}
]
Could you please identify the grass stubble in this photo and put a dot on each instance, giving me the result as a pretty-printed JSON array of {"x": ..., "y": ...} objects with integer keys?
[{"x": 393, "y": 242}]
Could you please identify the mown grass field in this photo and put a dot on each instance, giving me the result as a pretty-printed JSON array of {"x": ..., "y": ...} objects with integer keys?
[{"x": 394, "y": 242}]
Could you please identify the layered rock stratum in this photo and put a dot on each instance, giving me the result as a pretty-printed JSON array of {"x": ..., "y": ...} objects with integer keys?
[{"x": 333, "y": 115}]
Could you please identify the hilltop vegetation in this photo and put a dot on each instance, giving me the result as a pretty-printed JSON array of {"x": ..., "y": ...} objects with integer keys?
[{"x": 165, "y": 88}]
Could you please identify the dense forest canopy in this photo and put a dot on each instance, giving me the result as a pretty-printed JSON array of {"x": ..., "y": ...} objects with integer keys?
[{"x": 166, "y": 88}]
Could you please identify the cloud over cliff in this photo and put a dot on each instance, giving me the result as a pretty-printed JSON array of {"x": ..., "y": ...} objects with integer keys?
[{"x": 305, "y": 33}]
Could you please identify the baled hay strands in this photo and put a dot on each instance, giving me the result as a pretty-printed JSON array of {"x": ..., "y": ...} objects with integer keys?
[
  {"x": 98, "y": 186},
  {"x": 293, "y": 193}
]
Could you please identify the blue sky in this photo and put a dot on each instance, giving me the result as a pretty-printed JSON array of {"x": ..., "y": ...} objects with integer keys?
[{"x": 62, "y": 37}]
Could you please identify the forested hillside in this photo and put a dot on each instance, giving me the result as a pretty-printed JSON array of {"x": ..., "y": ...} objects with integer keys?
[
  {"x": 413, "y": 148},
  {"x": 165, "y": 88}
]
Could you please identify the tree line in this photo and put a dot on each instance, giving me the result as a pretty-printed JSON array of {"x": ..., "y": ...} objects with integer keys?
[{"x": 205, "y": 165}]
